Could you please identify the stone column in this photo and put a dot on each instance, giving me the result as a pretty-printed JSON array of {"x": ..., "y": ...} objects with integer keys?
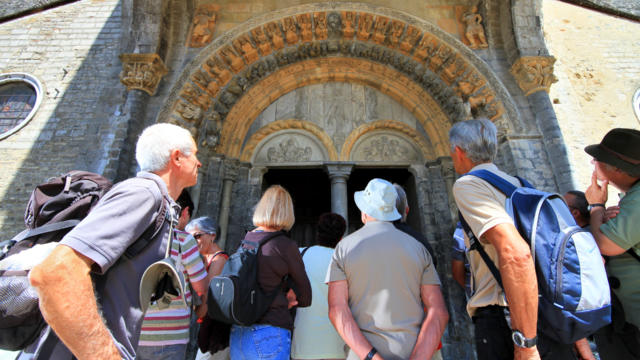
[
  {"x": 339, "y": 174},
  {"x": 229, "y": 178},
  {"x": 534, "y": 75},
  {"x": 449, "y": 176}
]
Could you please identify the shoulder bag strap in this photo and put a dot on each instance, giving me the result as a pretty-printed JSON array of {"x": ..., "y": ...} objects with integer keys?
[{"x": 476, "y": 245}]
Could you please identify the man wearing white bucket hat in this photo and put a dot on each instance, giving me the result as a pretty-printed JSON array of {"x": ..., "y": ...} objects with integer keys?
[{"x": 379, "y": 278}]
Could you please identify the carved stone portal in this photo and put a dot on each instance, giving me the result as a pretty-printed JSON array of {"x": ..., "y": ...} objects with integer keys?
[
  {"x": 534, "y": 73},
  {"x": 142, "y": 72},
  {"x": 203, "y": 25}
]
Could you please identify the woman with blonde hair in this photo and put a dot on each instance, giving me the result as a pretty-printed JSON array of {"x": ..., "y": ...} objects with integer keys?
[{"x": 278, "y": 259}]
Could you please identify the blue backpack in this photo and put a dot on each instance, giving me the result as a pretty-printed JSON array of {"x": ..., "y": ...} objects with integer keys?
[{"x": 573, "y": 300}]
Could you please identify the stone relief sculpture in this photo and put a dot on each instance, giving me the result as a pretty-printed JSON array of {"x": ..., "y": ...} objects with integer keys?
[
  {"x": 474, "y": 32},
  {"x": 534, "y": 73},
  {"x": 289, "y": 151},
  {"x": 385, "y": 149},
  {"x": 142, "y": 71},
  {"x": 203, "y": 26}
]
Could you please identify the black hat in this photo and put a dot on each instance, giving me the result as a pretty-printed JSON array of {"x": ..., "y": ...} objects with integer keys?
[{"x": 619, "y": 148}]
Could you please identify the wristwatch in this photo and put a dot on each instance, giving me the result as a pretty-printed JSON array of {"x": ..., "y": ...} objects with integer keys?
[
  {"x": 595, "y": 205},
  {"x": 522, "y": 341}
]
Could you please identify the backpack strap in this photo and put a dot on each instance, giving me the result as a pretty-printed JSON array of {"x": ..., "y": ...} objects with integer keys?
[
  {"x": 150, "y": 233},
  {"x": 304, "y": 251},
  {"x": 499, "y": 183},
  {"x": 475, "y": 244}
]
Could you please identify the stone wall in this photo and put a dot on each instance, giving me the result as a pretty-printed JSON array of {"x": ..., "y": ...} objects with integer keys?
[
  {"x": 598, "y": 70},
  {"x": 73, "y": 51}
]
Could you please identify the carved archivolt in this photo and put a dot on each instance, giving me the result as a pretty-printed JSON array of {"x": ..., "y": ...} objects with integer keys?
[
  {"x": 391, "y": 149},
  {"x": 242, "y": 62},
  {"x": 142, "y": 71},
  {"x": 285, "y": 151},
  {"x": 534, "y": 73}
]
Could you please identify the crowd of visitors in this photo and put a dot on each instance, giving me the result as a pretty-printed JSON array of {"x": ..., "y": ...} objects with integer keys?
[{"x": 372, "y": 294}]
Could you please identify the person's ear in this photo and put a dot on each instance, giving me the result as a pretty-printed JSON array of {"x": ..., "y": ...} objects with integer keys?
[{"x": 176, "y": 157}]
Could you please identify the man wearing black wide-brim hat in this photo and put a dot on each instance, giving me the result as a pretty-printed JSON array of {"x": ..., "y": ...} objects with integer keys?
[{"x": 617, "y": 161}]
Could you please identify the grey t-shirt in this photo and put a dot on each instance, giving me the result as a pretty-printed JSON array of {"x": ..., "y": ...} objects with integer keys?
[
  {"x": 118, "y": 220},
  {"x": 385, "y": 269}
]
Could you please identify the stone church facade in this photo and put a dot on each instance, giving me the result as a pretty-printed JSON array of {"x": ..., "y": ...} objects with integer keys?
[{"x": 318, "y": 97}]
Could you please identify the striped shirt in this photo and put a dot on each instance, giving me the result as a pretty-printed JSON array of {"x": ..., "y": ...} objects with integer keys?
[{"x": 170, "y": 326}]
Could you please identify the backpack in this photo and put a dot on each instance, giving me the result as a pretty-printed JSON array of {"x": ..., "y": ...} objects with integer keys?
[
  {"x": 54, "y": 208},
  {"x": 235, "y": 296},
  {"x": 573, "y": 302}
]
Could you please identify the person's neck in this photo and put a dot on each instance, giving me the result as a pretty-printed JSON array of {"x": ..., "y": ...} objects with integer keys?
[
  {"x": 266, "y": 229},
  {"x": 174, "y": 187}
]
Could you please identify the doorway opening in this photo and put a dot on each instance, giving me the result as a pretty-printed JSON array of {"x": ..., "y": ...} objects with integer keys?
[
  {"x": 358, "y": 181},
  {"x": 310, "y": 190}
]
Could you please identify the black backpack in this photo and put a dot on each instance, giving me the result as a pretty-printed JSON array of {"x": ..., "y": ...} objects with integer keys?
[
  {"x": 54, "y": 208},
  {"x": 235, "y": 296}
]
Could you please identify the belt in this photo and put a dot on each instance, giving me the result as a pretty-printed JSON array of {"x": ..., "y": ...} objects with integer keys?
[{"x": 490, "y": 311}]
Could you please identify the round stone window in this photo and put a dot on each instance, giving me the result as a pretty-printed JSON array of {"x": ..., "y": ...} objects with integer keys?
[{"x": 20, "y": 96}]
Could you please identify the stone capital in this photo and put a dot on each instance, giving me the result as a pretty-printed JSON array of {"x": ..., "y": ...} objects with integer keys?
[
  {"x": 142, "y": 71},
  {"x": 534, "y": 73},
  {"x": 339, "y": 170},
  {"x": 231, "y": 168},
  {"x": 446, "y": 167}
]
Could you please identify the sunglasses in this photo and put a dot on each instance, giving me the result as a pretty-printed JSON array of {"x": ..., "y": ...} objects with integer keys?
[{"x": 199, "y": 235}]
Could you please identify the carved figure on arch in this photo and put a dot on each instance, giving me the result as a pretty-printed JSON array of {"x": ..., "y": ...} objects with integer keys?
[
  {"x": 203, "y": 25},
  {"x": 320, "y": 22},
  {"x": 290, "y": 30},
  {"x": 380, "y": 32},
  {"x": 304, "y": 21},
  {"x": 474, "y": 32},
  {"x": 349, "y": 23},
  {"x": 188, "y": 111},
  {"x": 218, "y": 70},
  {"x": 410, "y": 39},
  {"x": 426, "y": 48},
  {"x": 244, "y": 46},
  {"x": 273, "y": 31},
  {"x": 397, "y": 28},
  {"x": 233, "y": 60},
  {"x": 365, "y": 26},
  {"x": 261, "y": 40}
]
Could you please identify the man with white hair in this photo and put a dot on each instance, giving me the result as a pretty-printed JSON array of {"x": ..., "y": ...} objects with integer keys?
[
  {"x": 474, "y": 146},
  {"x": 105, "y": 324},
  {"x": 379, "y": 279}
]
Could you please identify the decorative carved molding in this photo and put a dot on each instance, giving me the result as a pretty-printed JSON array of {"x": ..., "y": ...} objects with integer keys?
[
  {"x": 473, "y": 30},
  {"x": 248, "y": 59},
  {"x": 203, "y": 25},
  {"x": 292, "y": 124},
  {"x": 534, "y": 73},
  {"x": 390, "y": 125},
  {"x": 142, "y": 71}
]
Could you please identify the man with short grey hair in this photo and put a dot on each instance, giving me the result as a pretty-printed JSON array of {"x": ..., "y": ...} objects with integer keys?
[
  {"x": 90, "y": 257},
  {"x": 474, "y": 147},
  {"x": 379, "y": 279}
]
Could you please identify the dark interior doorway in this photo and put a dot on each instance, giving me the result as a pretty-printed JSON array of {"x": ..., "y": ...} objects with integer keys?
[
  {"x": 311, "y": 193},
  {"x": 358, "y": 181}
]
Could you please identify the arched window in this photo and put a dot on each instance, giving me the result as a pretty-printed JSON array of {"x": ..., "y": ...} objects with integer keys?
[{"x": 20, "y": 96}]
